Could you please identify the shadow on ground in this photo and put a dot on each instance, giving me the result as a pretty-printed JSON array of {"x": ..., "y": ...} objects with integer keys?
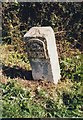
[{"x": 17, "y": 72}]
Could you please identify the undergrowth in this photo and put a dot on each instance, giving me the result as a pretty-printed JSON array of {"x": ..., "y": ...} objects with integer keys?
[
  {"x": 63, "y": 100},
  {"x": 19, "y": 102}
]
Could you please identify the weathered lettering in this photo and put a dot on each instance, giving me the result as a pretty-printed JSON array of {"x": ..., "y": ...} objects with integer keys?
[{"x": 36, "y": 49}]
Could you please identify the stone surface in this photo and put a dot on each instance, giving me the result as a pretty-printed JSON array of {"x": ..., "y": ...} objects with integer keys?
[{"x": 42, "y": 53}]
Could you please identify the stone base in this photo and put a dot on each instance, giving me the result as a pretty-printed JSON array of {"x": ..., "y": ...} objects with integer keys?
[{"x": 41, "y": 69}]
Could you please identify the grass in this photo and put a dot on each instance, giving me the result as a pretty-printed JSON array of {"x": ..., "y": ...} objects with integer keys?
[
  {"x": 64, "y": 101},
  {"x": 12, "y": 58},
  {"x": 23, "y": 98}
]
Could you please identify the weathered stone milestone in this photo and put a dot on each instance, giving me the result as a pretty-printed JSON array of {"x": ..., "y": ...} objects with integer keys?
[{"x": 42, "y": 53}]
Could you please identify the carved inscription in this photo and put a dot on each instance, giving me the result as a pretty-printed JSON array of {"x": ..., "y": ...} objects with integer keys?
[{"x": 36, "y": 49}]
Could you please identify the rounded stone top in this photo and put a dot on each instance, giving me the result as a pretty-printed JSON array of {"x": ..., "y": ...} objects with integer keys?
[{"x": 39, "y": 31}]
